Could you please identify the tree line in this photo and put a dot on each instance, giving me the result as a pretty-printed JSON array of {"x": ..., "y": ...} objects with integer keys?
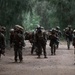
[{"x": 30, "y": 13}]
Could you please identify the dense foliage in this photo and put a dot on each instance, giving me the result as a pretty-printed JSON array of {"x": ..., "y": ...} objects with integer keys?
[{"x": 30, "y": 13}]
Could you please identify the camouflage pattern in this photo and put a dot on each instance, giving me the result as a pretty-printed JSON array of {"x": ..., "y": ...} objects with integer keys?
[
  {"x": 53, "y": 41},
  {"x": 69, "y": 35},
  {"x": 73, "y": 43},
  {"x": 11, "y": 37},
  {"x": 2, "y": 41},
  {"x": 18, "y": 42},
  {"x": 40, "y": 38},
  {"x": 58, "y": 34}
]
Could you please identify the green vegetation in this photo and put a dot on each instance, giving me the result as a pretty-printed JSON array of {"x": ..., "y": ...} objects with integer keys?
[{"x": 30, "y": 13}]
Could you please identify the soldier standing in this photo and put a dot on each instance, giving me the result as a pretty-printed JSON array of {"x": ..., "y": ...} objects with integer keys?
[
  {"x": 11, "y": 37},
  {"x": 73, "y": 43},
  {"x": 69, "y": 35},
  {"x": 40, "y": 39},
  {"x": 53, "y": 41},
  {"x": 2, "y": 41},
  {"x": 58, "y": 34},
  {"x": 33, "y": 43},
  {"x": 18, "y": 42}
]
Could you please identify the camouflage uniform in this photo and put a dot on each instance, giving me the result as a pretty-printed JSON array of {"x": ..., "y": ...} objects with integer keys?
[
  {"x": 11, "y": 37},
  {"x": 73, "y": 43},
  {"x": 53, "y": 41},
  {"x": 18, "y": 44},
  {"x": 33, "y": 43},
  {"x": 40, "y": 42},
  {"x": 2, "y": 42},
  {"x": 58, "y": 34},
  {"x": 69, "y": 35}
]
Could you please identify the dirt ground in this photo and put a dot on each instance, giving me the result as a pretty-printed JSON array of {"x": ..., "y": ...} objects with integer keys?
[{"x": 60, "y": 64}]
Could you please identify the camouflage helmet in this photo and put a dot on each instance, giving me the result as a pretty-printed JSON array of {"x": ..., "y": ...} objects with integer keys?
[
  {"x": 12, "y": 30},
  {"x": 73, "y": 31},
  {"x": 57, "y": 27},
  {"x": 69, "y": 26},
  {"x": 2, "y": 29},
  {"x": 53, "y": 30},
  {"x": 18, "y": 28},
  {"x": 38, "y": 27}
]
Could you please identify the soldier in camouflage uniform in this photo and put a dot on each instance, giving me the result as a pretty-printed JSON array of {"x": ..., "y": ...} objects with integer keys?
[
  {"x": 40, "y": 39},
  {"x": 18, "y": 42},
  {"x": 58, "y": 34},
  {"x": 69, "y": 35},
  {"x": 53, "y": 41},
  {"x": 73, "y": 43},
  {"x": 33, "y": 43},
  {"x": 2, "y": 41},
  {"x": 11, "y": 37}
]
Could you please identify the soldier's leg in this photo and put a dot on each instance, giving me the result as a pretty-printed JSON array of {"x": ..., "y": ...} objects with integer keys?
[
  {"x": 54, "y": 49},
  {"x": 15, "y": 54},
  {"x": 20, "y": 54},
  {"x": 32, "y": 49},
  {"x": 0, "y": 53},
  {"x": 39, "y": 50},
  {"x": 68, "y": 43},
  {"x": 44, "y": 51},
  {"x": 57, "y": 45},
  {"x": 51, "y": 49}
]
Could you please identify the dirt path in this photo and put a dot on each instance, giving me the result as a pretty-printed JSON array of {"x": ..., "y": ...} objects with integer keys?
[{"x": 60, "y": 64}]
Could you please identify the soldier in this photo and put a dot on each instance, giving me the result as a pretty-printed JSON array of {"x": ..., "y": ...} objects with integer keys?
[
  {"x": 64, "y": 32},
  {"x": 33, "y": 43},
  {"x": 58, "y": 34},
  {"x": 53, "y": 41},
  {"x": 2, "y": 42},
  {"x": 73, "y": 39},
  {"x": 18, "y": 42},
  {"x": 11, "y": 37},
  {"x": 69, "y": 35},
  {"x": 40, "y": 39}
]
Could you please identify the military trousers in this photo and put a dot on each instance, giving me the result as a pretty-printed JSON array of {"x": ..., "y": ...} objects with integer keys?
[
  {"x": 53, "y": 49},
  {"x": 18, "y": 53},
  {"x": 40, "y": 47}
]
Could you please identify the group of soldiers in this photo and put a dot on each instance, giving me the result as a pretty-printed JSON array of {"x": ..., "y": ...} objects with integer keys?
[{"x": 37, "y": 38}]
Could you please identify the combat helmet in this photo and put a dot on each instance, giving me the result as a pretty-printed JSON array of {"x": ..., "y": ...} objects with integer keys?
[
  {"x": 69, "y": 26},
  {"x": 73, "y": 31},
  {"x": 57, "y": 27},
  {"x": 2, "y": 29},
  {"x": 18, "y": 28},
  {"x": 53, "y": 31}
]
